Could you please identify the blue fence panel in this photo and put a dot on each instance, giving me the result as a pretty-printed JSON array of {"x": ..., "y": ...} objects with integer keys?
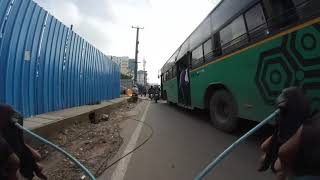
[
  {"x": 27, "y": 60},
  {"x": 12, "y": 26},
  {"x": 87, "y": 75},
  {"x": 95, "y": 74},
  {"x": 52, "y": 67},
  {"x": 82, "y": 66},
  {"x": 32, "y": 63},
  {"x": 45, "y": 66},
  {"x": 15, "y": 59},
  {"x": 106, "y": 78},
  {"x": 72, "y": 68},
  {"x": 78, "y": 72},
  {"x": 74, "y": 71},
  {"x": 66, "y": 77},
  {"x": 84, "y": 76},
  {"x": 92, "y": 75},
  {"x": 109, "y": 71},
  {"x": 42, "y": 64},
  {"x": 3, "y": 11},
  {"x": 56, "y": 67},
  {"x": 61, "y": 65},
  {"x": 69, "y": 69},
  {"x": 93, "y": 92},
  {"x": 90, "y": 100},
  {"x": 100, "y": 85}
]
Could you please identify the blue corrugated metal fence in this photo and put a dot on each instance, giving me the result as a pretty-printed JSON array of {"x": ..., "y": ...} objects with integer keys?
[{"x": 45, "y": 66}]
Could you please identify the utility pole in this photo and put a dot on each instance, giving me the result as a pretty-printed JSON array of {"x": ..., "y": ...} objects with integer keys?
[{"x": 136, "y": 54}]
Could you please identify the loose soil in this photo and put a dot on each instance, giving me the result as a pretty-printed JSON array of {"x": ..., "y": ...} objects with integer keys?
[{"x": 92, "y": 144}]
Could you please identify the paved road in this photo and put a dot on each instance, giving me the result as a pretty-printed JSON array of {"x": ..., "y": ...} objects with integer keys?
[{"x": 183, "y": 142}]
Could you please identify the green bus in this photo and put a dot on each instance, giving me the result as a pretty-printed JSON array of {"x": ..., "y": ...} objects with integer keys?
[{"x": 241, "y": 56}]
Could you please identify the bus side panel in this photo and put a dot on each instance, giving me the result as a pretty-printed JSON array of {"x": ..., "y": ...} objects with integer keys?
[
  {"x": 171, "y": 88},
  {"x": 257, "y": 75}
]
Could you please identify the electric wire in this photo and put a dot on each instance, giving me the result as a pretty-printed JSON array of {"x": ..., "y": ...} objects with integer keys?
[{"x": 132, "y": 151}]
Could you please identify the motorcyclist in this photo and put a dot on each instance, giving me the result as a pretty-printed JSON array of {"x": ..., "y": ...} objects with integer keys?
[
  {"x": 135, "y": 90},
  {"x": 157, "y": 90},
  {"x": 156, "y": 93},
  {"x": 151, "y": 92},
  {"x": 144, "y": 91}
]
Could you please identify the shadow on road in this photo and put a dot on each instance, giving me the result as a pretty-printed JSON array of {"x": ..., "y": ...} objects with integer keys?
[{"x": 243, "y": 127}]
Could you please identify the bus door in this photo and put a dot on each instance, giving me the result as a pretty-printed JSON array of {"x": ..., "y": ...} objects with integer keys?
[
  {"x": 183, "y": 69},
  {"x": 163, "y": 96}
]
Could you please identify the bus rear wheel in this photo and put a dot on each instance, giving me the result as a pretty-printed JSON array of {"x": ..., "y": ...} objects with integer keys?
[{"x": 223, "y": 111}]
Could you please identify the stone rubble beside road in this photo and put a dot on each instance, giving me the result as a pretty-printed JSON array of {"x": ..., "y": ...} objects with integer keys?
[{"x": 92, "y": 144}]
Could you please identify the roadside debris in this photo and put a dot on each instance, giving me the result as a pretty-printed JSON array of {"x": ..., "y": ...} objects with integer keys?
[
  {"x": 93, "y": 143},
  {"x": 103, "y": 117},
  {"x": 93, "y": 118}
]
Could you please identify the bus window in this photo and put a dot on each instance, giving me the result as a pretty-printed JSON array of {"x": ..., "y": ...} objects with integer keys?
[
  {"x": 256, "y": 22},
  {"x": 233, "y": 35},
  {"x": 184, "y": 49},
  {"x": 174, "y": 71},
  {"x": 207, "y": 50},
  {"x": 216, "y": 45},
  {"x": 280, "y": 13},
  {"x": 197, "y": 56},
  {"x": 306, "y": 8}
]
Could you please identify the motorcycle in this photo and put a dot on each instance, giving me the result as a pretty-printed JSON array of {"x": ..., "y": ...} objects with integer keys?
[
  {"x": 156, "y": 97},
  {"x": 135, "y": 92}
]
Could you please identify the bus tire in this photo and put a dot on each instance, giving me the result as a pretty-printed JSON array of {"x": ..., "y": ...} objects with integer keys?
[{"x": 223, "y": 111}]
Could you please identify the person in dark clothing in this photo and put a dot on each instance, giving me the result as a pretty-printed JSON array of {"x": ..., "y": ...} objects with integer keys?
[
  {"x": 9, "y": 161},
  {"x": 183, "y": 84},
  {"x": 157, "y": 89},
  {"x": 144, "y": 91},
  {"x": 151, "y": 92},
  {"x": 293, "y": 151},
  {"x": 15, "y": 154}
]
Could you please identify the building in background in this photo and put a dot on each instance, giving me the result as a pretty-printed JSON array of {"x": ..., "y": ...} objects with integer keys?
[
  {"x": 131, "y": 66},
  {"x": 123, "y": 61},
  {"x": 124, "y": 65},
  {"x": 127, "y": 66},
  {"x": 142, "y": 77},
  {"x": 114, "y": 59}
]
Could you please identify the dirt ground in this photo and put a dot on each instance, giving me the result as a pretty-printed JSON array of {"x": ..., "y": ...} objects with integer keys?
[{"x": 92, "y": 144}]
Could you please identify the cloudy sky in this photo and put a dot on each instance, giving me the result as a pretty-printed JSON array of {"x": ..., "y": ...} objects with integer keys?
[{"x": 107, "y": 25}]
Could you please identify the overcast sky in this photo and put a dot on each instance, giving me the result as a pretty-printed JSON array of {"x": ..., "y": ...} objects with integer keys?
[{"x": 107, "y": 25}]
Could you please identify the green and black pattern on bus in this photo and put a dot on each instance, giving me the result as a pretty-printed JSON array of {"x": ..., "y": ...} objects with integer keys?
[{"x": 294, "y": 63}]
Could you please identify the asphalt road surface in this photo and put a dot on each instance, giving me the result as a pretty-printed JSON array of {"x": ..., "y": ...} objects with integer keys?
[{"x": 183, "y": 142}]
